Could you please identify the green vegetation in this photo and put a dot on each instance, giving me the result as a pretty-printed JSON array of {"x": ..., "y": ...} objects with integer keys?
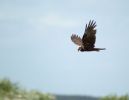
[
  {"x": 115, "y": 97},
  {"x": 11, "y": 91}
]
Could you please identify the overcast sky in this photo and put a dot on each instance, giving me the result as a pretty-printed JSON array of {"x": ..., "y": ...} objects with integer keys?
[{"x": 36, "y": 50}]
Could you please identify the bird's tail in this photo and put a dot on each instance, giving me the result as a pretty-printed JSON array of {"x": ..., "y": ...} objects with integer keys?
[
  {"x": 98, "y": 49},
  {"x": 102, "y": 48}
]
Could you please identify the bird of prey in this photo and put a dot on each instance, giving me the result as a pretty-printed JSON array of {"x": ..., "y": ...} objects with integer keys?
[{"x": 87, "y": 42}]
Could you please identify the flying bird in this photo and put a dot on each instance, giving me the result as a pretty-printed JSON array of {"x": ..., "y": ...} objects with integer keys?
[{"x": 87, "y": 42}]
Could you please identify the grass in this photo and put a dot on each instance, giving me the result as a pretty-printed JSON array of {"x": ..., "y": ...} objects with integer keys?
[{"x": 115, "y": 97}]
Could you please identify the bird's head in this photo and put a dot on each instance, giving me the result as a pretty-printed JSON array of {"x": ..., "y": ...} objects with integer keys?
[{"x": 80, "y": 49}]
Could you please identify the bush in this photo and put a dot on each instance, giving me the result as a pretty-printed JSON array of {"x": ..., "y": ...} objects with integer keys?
[{"x": 11, "y": 91}]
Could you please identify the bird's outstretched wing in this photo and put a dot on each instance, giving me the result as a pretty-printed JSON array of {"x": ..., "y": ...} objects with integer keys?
[
  {"x": 89, "y": 37},
  {"x": 76, "y": 39}
]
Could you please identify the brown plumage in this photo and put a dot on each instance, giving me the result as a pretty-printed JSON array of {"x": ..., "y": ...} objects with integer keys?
[{"x": 87, "y": 43}]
